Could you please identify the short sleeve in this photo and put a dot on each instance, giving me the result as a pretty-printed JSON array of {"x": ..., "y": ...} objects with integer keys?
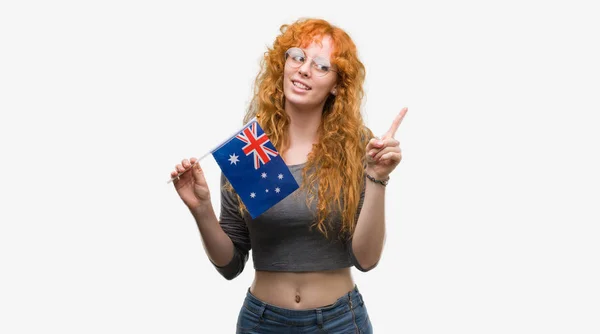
[{"x": 234, "y": 225}]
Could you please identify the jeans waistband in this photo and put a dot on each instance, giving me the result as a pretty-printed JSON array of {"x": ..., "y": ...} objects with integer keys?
[{"x": 318, "y": 315}]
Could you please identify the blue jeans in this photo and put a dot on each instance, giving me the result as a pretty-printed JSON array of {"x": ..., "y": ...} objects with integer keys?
[{"x": 347, "y": 315}]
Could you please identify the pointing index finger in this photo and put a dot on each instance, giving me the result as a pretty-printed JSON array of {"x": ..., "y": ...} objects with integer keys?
[{"x": 396, "y": 124}]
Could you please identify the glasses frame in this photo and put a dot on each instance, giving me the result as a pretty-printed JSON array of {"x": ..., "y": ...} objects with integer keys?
[{"x": 313, "y": 64}]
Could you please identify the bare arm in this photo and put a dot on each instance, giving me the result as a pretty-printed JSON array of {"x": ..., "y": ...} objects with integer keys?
[
  {"x": 217, "y": 244},
  {"x": 369, "y": 234},
  {"x": 383, "y": 156},
  {"x": 226, "y": 242}
]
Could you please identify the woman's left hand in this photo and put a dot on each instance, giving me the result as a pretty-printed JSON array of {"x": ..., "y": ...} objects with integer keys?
[{"x": 383, "y": 155}]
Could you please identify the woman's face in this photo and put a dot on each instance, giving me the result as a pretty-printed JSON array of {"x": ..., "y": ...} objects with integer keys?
[{"x": 305, "y": 86}]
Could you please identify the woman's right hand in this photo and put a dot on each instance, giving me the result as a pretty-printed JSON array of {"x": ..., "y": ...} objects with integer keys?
[{"x": 191, "y": 185}]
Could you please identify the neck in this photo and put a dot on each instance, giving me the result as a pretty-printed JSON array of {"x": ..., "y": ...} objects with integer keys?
[{"x": 304, "y": 124}]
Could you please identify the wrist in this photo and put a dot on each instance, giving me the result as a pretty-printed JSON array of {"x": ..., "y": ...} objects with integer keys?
[
  {"x": 376, "y": 175},
  {"x": 201, "y": 211},
  {"x": 375, "y": 178}
]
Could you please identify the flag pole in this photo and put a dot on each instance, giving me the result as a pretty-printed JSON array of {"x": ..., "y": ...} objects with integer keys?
[{"x": 216, "y": 148}]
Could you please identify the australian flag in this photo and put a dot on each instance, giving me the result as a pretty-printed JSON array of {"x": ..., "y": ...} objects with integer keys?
[{"x": 255, "y": 169}]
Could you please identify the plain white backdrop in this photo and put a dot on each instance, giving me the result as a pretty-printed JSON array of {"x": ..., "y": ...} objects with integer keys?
[{"x": 492, "y": 215}]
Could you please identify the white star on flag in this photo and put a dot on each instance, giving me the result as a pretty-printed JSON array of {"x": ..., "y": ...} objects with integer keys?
[
  {"x": 263, "y": 175},
  {"x": 277, "y": 190},
  {"x": 280, "y": 176},
  {"x": 266, "y": 190},
  {"x": 252, "y": 195},
  {"x": 233, "y": 159}
]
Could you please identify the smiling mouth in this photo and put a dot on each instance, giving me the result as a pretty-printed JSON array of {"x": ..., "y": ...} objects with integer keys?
[{"x": 301, "y": 86}]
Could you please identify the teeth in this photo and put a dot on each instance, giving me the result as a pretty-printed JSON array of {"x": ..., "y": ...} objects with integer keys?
[{"x": 299, "y": 85}]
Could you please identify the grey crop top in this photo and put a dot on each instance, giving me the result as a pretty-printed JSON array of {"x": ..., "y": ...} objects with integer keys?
[{"x": 281, "y": 238}]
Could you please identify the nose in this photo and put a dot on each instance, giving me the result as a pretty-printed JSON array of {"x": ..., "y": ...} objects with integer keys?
[{"x": 304, "y": 69}]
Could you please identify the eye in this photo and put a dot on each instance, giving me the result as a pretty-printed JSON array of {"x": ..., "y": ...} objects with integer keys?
[
  {"x": 299, "y": 58},
  {"x": 322, "y": 68},
  {"x": 296, "y": 55}
]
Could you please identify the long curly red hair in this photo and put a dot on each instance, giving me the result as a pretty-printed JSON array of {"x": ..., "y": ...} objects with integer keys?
[{"x": 338, "y": 159}]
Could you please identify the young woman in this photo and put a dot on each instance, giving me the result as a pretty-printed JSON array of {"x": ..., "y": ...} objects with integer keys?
[{"x": 307, "y": 99}]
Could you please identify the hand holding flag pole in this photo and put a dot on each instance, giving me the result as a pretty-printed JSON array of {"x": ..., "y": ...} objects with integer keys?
[
  {"x": 214, "y": 149},
  {"x": 251, "y": 164}
]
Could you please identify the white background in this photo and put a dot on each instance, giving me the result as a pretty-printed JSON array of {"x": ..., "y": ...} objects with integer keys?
[{"x": 492, "y": 215}]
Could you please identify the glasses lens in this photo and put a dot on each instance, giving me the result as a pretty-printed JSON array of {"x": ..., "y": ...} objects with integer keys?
[
  {"x": 295, "y": 57},
  {"x": 321, "y": 66}
]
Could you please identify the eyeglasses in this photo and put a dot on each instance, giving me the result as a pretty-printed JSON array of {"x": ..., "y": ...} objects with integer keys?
[{"x": 295, "y": 57}]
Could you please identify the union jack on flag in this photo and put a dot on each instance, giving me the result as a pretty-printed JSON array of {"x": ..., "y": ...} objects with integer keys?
[
  {"x": 256, "y": 145},
  {"x": 255, "y": 169}
]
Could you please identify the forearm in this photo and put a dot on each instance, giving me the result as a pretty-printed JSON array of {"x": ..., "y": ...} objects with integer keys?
[
  {"x": 369, "y": 234},
  {"x": 217, "y": 244}
]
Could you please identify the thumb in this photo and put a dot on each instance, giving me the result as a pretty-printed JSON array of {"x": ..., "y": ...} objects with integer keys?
[{"x": 198, "y": 174}]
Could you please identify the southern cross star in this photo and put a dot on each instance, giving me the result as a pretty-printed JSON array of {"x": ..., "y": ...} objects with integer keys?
[{"x": 233, "y": 159}]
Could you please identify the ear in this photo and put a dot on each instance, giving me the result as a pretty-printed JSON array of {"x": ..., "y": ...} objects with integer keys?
[{"x": 334, "y": 91}]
